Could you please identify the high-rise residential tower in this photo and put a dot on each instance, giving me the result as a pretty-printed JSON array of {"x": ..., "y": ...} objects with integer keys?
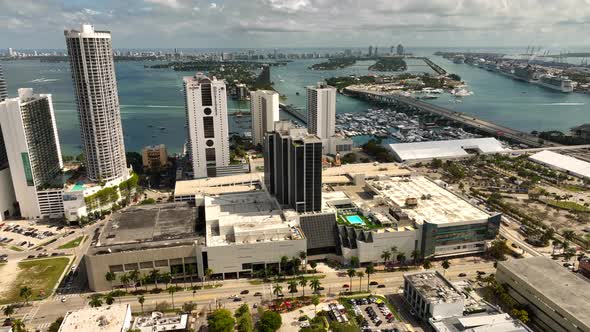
[
  {"x": 34, "y": 154},
  {"x": 206, "y": 115},
  {"x": 3, "y": 96},
  {"x": 321, "y": 110},
  {"x": 264, "y": 107},
  {"x": 3, "y": 89},
  {"x": 293, "y": 167},
  {"x": 95, "y": 88},
  {"x": 400, "y": 49}
]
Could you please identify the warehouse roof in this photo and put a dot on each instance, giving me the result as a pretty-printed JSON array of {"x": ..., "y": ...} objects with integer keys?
[
  {"x": 444, "y": 149},
  {"x": 562, "y": 162}
]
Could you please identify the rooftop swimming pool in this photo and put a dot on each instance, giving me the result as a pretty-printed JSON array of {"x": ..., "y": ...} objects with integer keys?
[{"x": 355, "y": 219}]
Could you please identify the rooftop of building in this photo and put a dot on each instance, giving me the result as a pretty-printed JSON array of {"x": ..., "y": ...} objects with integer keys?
[
  {"x": 445, "y": 149},
  {"x": 560, "y": 161},
  {"x": 158, "y": 322},
  {"x": 425, "y": 201},
  {"x": 242, "y": 218},
  {"x": 567, "y": 290},
  {"x": 434, "y": 287},
  {"x": 218, "y": 185},
  {"x": 497, "y": 322},
  {"x": 149, "y": 223},
  {"x": 370, "y": 170},
  {"x": 111, "y": 318}
]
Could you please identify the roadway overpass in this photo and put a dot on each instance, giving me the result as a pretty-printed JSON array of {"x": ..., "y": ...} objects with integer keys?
[{"x": 458, "y": 117}]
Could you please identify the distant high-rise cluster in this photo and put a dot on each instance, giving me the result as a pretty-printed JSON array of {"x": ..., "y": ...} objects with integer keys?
[
  {"x": 95, "y": 88},
  {"x": 207, "y": 127},
  {"x": 400, "y": 49}
]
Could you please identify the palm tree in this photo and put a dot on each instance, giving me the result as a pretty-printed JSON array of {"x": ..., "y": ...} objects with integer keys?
[
  {"x": 277, "y": 290},
  {"x": 155, "y": 275},
  {"x": 415, "y": 255},
  {"x": 401, "y": 258},
  {"x": 385, "y": 255},
  {"x": 295, "y": 264},
  {"x": 134, "y": 276},
  {"x": 191, "y": 270},
  {"x": 18, "y": 326},
  {"x": 8, "y": 310},
  {"x": 314, "y": 284},
  {"x": 166, "y": 279},
  {"x": 141, "y": 300},
  {"x": 283, "y": 264},
  {"x": 145, "y": 281},
  {"x": 25, "y": 293},
  {"x": 360, "y": 275},
  {"x": 303, "y": 257},
  {"x": 208, "y": 274},
  {"x": 313, "y": 265},
  {"x": 370, "y": 269},
  {"x": 110, "y": 277},
  {"x": 292, "y": 287},
  {"x": 124, "y": 278},
  {"x": 427, "y": 265},
  {"x": 315, "y": 301},
  {"x": 171, "y": 291},
  {"x": 393, "y": 252},
  {"x": 445, "y": 265},
  {"x": 95, "y": 300},
  {"x": 351, "y": 274},
  {"x": 109, "y": 299},
  {"x": 302, "y": 283}
]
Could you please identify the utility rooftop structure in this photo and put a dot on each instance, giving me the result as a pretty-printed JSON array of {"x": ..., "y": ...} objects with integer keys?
[
  {"x": 433, "y": 203},
  {"x": 557, "y": 298},
  {"x": 567, "y": 164},
  {"x": 111, "y": 318},
  {"x": 500, "y": 322},
  {"x": 405, "y": 152},
  {"x": 432, "y": 296},
  {"x": 158, "y": 322}
]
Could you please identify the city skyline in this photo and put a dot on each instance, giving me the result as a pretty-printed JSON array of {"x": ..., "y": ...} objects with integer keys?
[{"x": 300, "y": 23}]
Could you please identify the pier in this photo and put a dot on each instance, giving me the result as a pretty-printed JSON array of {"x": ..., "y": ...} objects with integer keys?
[
  {"x": 457, "y": 117},
  {"x": 294, "y": 112},
  {"x": 436, "y": 68}
]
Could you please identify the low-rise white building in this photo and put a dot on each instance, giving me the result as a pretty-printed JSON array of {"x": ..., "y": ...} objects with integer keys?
[
  {"x": 563, "y": 163},
  {"x": 160, "y": 323},
  {"x": 110, "y": 318},
  {"x": 432, "y": 296},
  {"x": 460, "y": 148}
]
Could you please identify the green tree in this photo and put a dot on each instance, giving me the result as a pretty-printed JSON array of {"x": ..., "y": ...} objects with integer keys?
[
  {"x": 110, "y": 277},
  {"x": 8, "y": 310},
  {"x": 189, "y": 307},
  {"x": 270, "y": 321},
  {"x": 166, "y": 279},
  {"x": 109, "y": 299},
  {"x": 370, "y": 269},
  {"x": 303, "y": 284},
  {"x": 171, "y": 291},
  {"x": 401, "y": 258},
  {"x": 25, "y": 292},
  {"x": 351, "y": 274},
  {"x": 277, "y": 290},
  {"x": 292, "y": 286},
  {"x": 283, "y": 264},
  {"x": 341, "y": 327},
  {"x": 155, "y": 275},
  {"x": 134, "y": 276},
  {"x": 18, "y": 326},
  {"x": 313, "y": 265},
  {"x": 436, "y": 163},
  {"x": 498, "y": 250},
  {"x": 315, "y": 300},
  {"x": 393, "y": 253},
  {"x": 354, "y": 261},
  {"x": 221, "y": 320},
  {"x": 95, "y": 300},
  {"x": 385, "y": 255},
  {"x": 208, "y": 274},
  {"x": 521, "y": 315},
  {"x": 315, "y": 284},
  {"x": 445, "y": 265},
  {"x": 244, "y": 319},
  {"x": 54, "y": 327},
  {"x": 124, "y": 278},
  {"x": 415, "y": 255},
  {"x": 141, "y": 300},
  {"x": 427, "y": 264},
  {"x": 303, "y": 257},
  {"x": 191, "y": 270},
  {"x": 360, "y": 275}
]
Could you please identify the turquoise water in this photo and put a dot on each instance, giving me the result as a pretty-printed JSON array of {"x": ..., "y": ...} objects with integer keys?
[
  {"x": 355, "y": 220},
  {"x": 153, "y": 97},
  {"x": 78, "y": 187}
]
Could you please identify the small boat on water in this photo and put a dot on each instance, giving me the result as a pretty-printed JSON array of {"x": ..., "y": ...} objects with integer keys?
[
  {"x": 162, "y": 128},
  {"x": 297, "y": 93}
]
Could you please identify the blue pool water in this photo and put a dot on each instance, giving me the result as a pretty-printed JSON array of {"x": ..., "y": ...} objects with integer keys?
[
  {"x": 355, "y": 220},
  {"x": 78, "y": 187}
]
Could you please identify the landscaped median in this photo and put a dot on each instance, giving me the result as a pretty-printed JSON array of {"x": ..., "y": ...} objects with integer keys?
[
  {"x": 40, "y": 275},
  {"x": 73, "y": 244}
]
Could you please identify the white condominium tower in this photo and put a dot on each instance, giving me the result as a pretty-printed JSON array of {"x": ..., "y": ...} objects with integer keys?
[
  {"x": 264, "y": 107},
  {"x": 34, "y": 154},
  {"x": 206, "y": 114},
  {"x": 95, "y": 87},
  {"x": 3, "y": 90},
  {"x": 321, "y": 110}
]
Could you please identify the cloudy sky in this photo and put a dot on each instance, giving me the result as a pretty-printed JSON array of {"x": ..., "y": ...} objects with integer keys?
[{"x": 300, "y": 23}]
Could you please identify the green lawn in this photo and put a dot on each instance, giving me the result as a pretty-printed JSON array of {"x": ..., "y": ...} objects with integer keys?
[
  {"x": 573, "y": 206},
  {"x": 72, "y": 244},
  {"x": 15, "y": 248},
  {"x": 39, "y": 275}
]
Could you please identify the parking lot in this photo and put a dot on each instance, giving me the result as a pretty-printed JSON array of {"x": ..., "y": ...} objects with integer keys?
[
  {"x": 376, "y": 314},
  {"x": 23, "y": 234}
]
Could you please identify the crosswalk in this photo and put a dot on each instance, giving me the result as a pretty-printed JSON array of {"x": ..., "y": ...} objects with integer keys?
[
  {"x": 42, "y": 327},
  {"x": 57, "y": 298}
]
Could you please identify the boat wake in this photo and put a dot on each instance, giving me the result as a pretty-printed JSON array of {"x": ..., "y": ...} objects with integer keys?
[
  {"x": 564, "y": 104},
  {"x": 44, "y": 80},
  {"x": 151, "y": 106}
]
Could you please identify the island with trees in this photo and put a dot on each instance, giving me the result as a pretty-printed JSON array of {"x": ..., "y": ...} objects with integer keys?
[
  {"x": 389, "y": 64},
  {"x": 334, "y": 63}
]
